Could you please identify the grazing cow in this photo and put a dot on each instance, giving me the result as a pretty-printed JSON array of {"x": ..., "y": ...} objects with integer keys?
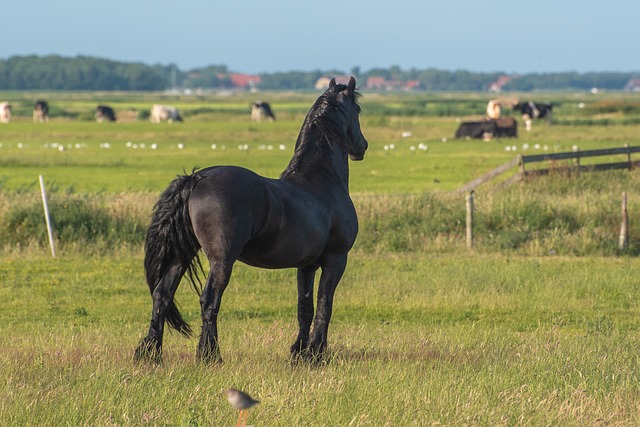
[
  {"x": 41, "y": 111},
  {"x": 261, "y": 111},
  {"x": 105, "y": 113},
  {"x": 531, "y": 110},
  {"x": 5, "y": 112},
  {"x": 164, "y": 112},
  {"x": 494, "y": 109}
]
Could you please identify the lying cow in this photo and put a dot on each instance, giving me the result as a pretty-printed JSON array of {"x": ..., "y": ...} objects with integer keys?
[
  {"x": 531, "y": 110},
  {"x": 481, "y": 130},
  {"x": 506, "y": 127},
  {"x": 5, "y": 112},
  {"x": 487, "y": 129},
  {"x": 105, "y": 113},
  {"x": 261, "y": 111},
  {"x": 41, "y": 111},
  {"x": 164, "y": 112}
]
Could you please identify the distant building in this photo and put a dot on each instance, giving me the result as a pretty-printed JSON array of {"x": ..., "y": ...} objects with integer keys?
[
  {"x": 244, "y": 80},
  {"x": 412, "y": 85},
  {"x": 376, "y": 83},
  {"x": 323, "y": 82},
  {"x": 382, "y": 84},
  {"x": 499, "y": 84},
  {"x": 632, "y": 85}
]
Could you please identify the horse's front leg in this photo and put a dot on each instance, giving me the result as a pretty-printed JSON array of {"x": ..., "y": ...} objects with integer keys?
[
  {"x": 306, "y": 277},
  {"x": 332, "y": 271},
  {"x": 210, "y": 299}
]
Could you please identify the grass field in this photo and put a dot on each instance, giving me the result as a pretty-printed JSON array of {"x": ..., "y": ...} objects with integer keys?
[
  {"x": 465, "y": 340},
  {"x": 30, "y": 149},
  {"x": 520, "y": 331}
]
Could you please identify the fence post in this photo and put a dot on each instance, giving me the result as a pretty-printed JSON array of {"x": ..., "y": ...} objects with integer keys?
[
  {"x": 629, "y": 156},
  {"x": 470, "y": 220},
  {"x": 46, "y": 216},
  {"x": 624, "y": 227},
  {"x": 521, "y": 165}
]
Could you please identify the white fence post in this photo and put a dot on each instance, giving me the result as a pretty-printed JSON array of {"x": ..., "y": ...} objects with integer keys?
[
  {"x": 624, "y": 227},
  {"x": 46, "y": 217},
  {"x": 470, "y": 220}
]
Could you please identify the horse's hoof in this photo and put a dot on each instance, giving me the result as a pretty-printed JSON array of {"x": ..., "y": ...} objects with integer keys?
[
  {"x": 209, "y": 357},
  {"x": 308, "y": 356},
  {"x": 148, "y": 351}
]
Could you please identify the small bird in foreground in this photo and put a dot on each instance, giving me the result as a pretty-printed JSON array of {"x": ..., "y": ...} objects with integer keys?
[{"x": 240, "y": 401}]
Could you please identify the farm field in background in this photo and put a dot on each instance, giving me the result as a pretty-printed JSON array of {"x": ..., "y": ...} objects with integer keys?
[
  {"x": 539, "y": 325},
  {"x": 415, "y": 164}
]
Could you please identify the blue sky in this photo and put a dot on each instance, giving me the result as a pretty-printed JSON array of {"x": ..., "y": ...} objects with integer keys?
[{"x": 276, "y": 35}]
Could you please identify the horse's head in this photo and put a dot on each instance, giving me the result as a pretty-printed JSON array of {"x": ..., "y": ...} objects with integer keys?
[{"x": 346, "y": 98}]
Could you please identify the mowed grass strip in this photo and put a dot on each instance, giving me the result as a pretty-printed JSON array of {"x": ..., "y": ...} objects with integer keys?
[{"x": 460, "y": 340}]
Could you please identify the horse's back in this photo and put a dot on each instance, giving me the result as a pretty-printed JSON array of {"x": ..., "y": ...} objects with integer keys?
[{"x": 227, "y": 190}]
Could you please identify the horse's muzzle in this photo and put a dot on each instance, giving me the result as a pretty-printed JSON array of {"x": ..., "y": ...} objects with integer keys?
[{"x": 359, "y": 154}]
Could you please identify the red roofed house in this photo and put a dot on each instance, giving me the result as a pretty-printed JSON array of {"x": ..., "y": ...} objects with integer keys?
[
  {"x": 499, "y": 84},
  {"x": 244, "y": 80},
  {"x": 632, "y": 85}
]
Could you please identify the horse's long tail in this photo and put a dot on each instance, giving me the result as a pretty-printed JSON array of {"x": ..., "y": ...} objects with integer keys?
[{"x": 170, "y": 240}]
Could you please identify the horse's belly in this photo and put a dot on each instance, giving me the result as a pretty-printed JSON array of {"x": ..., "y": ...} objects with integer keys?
[{"x": 282, "y": 254}]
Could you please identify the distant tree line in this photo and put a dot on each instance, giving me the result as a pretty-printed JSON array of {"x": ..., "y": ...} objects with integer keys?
[
  {"x": 90, "y": 73},
  {"x": 80, "y": 73}
]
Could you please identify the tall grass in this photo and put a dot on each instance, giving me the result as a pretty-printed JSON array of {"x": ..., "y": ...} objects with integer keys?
[{"x": 556, "y": 215}]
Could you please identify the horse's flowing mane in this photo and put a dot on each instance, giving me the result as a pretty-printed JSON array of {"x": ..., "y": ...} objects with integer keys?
[{"x": 323, "y": 124}]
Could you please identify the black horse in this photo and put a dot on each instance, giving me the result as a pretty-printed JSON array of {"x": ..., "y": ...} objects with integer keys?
[{"x": 304, "y": 220}]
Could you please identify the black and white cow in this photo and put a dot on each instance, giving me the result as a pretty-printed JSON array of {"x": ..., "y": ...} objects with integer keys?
[
  {"x": 5, "y": 112},
  {"x": 164, "y": 112},
  {"x": 105, "y": 113},
  {"x": 531, "y": 110},
  {"x": 41, "y": 111},
  {"x": 261, "y": 111}
]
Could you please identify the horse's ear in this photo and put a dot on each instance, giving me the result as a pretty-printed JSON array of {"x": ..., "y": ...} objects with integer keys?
[
  {"x": 351, "y": 87},
  {"x": 332, "y": 83}
]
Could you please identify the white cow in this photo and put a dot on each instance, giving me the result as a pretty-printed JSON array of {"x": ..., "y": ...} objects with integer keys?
[
  {"x": 5, "y": 112},
  {"x": 494, "y": 109},
  {"x": 164, "y": 112}
]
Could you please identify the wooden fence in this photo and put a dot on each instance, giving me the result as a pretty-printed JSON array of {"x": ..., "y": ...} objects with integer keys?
[{"x": 575, "y": 167}]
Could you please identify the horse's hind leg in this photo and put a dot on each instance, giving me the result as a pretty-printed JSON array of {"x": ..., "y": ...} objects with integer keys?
[
  {"x": 210, "y": 299},
  {"x": 150, "y": 347},
  {"x": 305, "y": 310}
]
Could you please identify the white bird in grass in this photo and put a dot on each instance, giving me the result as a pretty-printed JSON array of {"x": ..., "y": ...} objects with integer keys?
[{"x": 240, "y": 401}]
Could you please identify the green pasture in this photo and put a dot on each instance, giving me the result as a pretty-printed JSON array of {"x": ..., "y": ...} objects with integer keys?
[
  {"x": 429, "y": 160},
  {"x": 538, "y": 324},
  {"x": 448, "y": 340}
]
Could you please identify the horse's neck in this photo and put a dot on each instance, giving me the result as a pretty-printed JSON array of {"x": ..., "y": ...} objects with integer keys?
[{"x": 316, "y": 157}]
